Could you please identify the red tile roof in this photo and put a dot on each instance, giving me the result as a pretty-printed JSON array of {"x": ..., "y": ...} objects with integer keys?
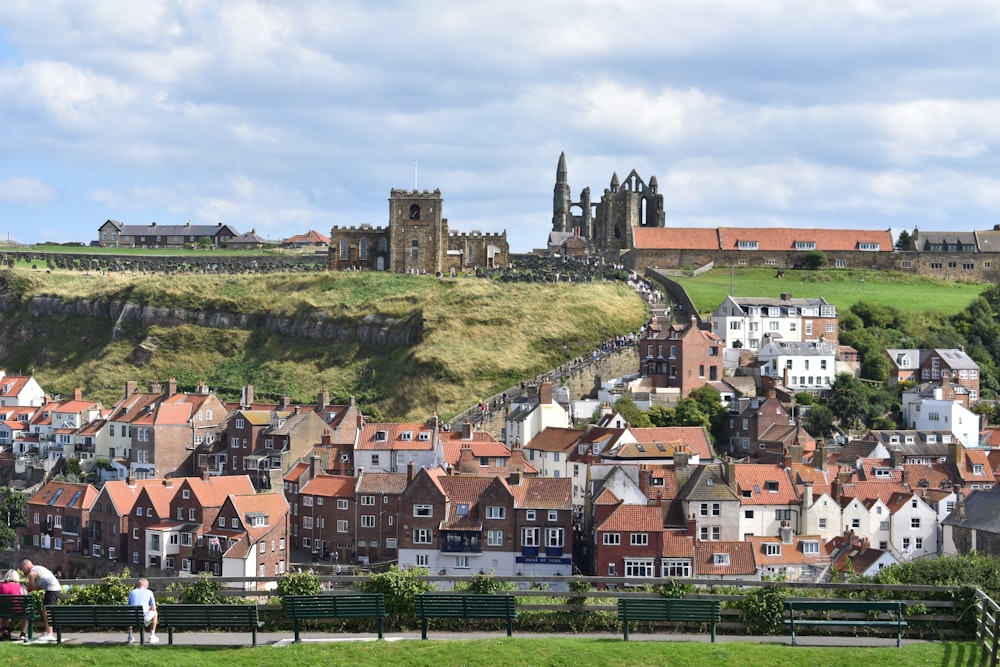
[
  {"x": 329, "y": 486},
  {"x": 636, "y": 518}
]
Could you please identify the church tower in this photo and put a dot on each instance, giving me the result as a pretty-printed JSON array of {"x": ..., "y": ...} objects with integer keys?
[
  {"x": 561, "y": 198},
  {"x": 418, "y": 234}
]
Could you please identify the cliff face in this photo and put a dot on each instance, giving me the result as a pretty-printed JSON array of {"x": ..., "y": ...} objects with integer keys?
[{"x": 374, "y": 329}]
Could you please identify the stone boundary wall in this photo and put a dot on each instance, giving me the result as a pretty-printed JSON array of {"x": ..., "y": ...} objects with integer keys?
[
  {"x": 973, "y": 267},
  {"x": 214, "y": 263}
]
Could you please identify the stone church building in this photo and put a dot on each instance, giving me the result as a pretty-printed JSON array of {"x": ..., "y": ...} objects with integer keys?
[
  {"x": 585, "y": 228},
  {"x": 416, "y": 240}
]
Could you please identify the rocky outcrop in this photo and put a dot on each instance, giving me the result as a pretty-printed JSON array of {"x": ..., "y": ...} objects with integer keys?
[{"x": 374, "y": 329}]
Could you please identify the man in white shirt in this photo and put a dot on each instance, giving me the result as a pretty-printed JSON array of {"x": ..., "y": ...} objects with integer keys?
[{"x": 141, "y": 596}]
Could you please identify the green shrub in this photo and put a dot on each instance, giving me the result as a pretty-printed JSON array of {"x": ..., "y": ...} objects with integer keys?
[
  {"x": 113, "y": 589},
  {"x": 203, "y": 590},
  {"x": 763, "y": 610},
  {"x": 298, "y": 583},
  {"x": 400, "y": 588},
  {"x": 485, "y": 583},
  {"x": 674, "y": 590}
]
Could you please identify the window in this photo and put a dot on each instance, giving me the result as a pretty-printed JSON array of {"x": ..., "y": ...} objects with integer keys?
[
  {"x": 494, "y": 538},
  {"x": 639, "y": 539},
  {"x": 422, "y": 560},
  {"x": 639, "y": 568},
  {"x": 676, "y": 568},
  {"x": 496, "y": 512},
  {"x": 906, "y": 543},
  {"x": 341, "y": 504},
  {"x": 192, "y": 513},
  {"x": 529, "y": 536},
  {"x": 423, "y": 510},
  {"x": 367, "y": 500},
  {"x": 235, "y": 523},
  {"x": 783, "y": 515},
  {"x": 263, "y": 547},
  {"x": 915, "y": 522},
  {"x": 342, "y": 526},
  {"x": 720, "y": 559},
  {"x": 612, "y": 539},
  {"x": 367, "y": 520},
  {"x": 461, "y": 562},
  {"x": 918, "y": 543},
  {"x": 185, "y": 539},
  {"x": 222, "y": 522},
  {"x": 421, "y": 536},
  {"x": 611, "y": 569},
  {"x": 855, "y": 523},
  {"x": 553, "y": 515},
  {"x": 307, "y": 522},
  {"x": 529, "y": 515},
  {"x": 822, "y": 523},
  {"x": 810, "y": 547}
]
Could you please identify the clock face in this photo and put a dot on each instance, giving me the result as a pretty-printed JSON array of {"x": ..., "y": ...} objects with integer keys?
[{"x": 414, "y": 211}]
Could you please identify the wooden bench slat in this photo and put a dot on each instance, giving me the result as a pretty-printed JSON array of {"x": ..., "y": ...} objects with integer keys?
[{"x": 19, "y": 608}]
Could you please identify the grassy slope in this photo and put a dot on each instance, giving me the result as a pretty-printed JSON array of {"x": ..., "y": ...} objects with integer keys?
[
  {"x": 479, "y": 336},
  {"x": 843, "y": 288}
]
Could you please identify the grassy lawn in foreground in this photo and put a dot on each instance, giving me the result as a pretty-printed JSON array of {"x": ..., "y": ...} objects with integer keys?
[
  {"x": 499, "y": 653},
  {"x": 841, "y": 287}
]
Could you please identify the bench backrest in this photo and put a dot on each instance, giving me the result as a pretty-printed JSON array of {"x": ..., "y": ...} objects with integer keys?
[
  {"x": 669, "y": 609},
  {"x": 17, "y": 606},
  {"x": 208, "y": 615},
  {"x": 326, "y": 606},
  {"x": 890, "y": 606},
  {"x": 94, "y": 615},
  {"x": 469, "y": 605}
]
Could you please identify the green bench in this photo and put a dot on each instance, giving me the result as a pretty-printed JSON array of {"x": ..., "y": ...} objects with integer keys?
[
  {"x": 355, "y": 605},
  {"x": 205, "y": 616},
  {"x": 676, "y": 610},
  {"x": 94, "y": 617},
  {"x": 804, "y": 613},
  {"x": 465, "y": 605},
  {"x": 19, "y": 608}
]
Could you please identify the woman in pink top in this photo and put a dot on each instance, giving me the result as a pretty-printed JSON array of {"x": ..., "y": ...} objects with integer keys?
[{"x": 11, "y": 585}]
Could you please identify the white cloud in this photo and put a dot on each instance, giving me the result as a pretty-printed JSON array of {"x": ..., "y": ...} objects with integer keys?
[
  {"x": 26, "y": 190},
  {"x": 273, "y": 115}
]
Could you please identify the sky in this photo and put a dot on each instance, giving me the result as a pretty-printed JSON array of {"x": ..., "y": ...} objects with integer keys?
[{"x": 281, "y": 117}]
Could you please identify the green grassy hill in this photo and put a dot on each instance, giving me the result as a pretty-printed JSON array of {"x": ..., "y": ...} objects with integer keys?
[
  {"x": 475, "y": 336},
  {"x": 841, "y": 287}
]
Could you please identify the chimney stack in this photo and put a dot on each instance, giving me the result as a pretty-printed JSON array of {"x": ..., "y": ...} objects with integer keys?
[
  {"x": 322, "y": 399},
  {"x": 130, "y": 388},
  {"x": 246, "y": 396},
  {"x": 171, "y": 387}
]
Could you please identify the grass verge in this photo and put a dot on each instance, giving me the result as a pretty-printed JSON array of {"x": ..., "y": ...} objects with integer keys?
[{"x": 499, "y": 653}]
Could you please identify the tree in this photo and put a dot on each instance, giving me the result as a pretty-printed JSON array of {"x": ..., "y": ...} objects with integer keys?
[
  {"x": 661, "y": 415},
  {"x": 848, "y": 400},
  {"x": 631, "y": 413},
  {"x": 804, "y": 398},
  {"x": 905, "y": 241},
  {"x": 15, "y": 509},
  {"x": 819, "y": 421},
  {"x": 815, "y": 259}
]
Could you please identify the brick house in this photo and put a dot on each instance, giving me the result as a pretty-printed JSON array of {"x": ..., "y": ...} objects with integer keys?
[
  {"x": 194, "y": 505},
  {"x": 629, "y": 542},
  {"x": 58, "y": 516},
  {"x": 323, "y": 515},
  {"x": 257, "y": 535},
  {"x": 377, "y": 497},
  {"x": 682, "y": 357}
]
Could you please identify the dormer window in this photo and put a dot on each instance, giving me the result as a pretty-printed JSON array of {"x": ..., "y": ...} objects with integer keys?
[
  {"x": 772, "y": 487},
  {"x": 805, "y": 245},
  {"x": 772, "y": 549},
  {"x": 810, "y": 547},
  {"x": 720, "y": 559},
  {"x": 381, "y": 436},
  {"x": 746, "y": 245},
  {"x": 406, "y": 435},
  {"x": 424, "y": 436},
  {"x": 883, "y": 472},
  {"x": 977, "y": 468}
]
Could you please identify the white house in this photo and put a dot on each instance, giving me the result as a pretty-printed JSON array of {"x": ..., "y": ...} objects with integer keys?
[
  {"x": 800, "y": 366},
  {"x": 744, "y": 321},
  {"x": 929, "y": 410},
  {"x": 532, "y": 416},
  {"x": 914, "y": 527}
]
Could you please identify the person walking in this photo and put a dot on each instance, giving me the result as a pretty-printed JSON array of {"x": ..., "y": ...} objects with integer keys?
[
  {"x": 141, "y": 596},
  {"x": 12, "y": 585},
  {"x": 41, "y": 578}
]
